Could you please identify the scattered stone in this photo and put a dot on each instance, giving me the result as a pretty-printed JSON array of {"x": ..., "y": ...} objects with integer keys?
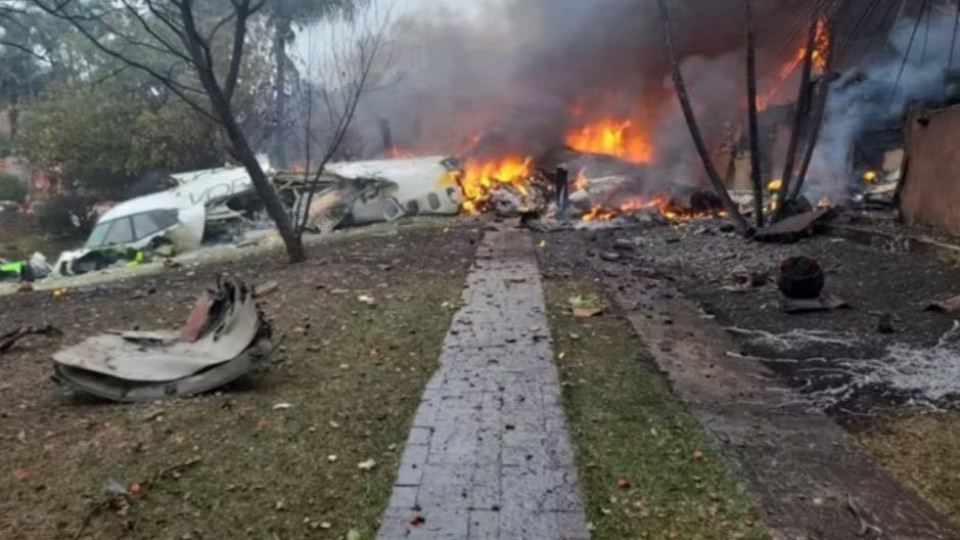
[
  {"x": 885, "y": 324},
  {"x": 622, "y": 244}
]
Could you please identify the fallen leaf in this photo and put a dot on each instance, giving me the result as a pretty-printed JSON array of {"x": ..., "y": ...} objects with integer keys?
[
  {"x": 22, "y": 475},
  {"x": 698, "y": 455},
  {"x": 262, "y": 424},
  {"x": 623, "y": 483},
  {"x": 334, "y": 424},
  {"x": 543, "y": 244},
  {"x": 367, "y": 465},
  {"x": 561, "y": 356},
  {"x": 134, "y": 490},
  {"x": 265, "y": 288}
]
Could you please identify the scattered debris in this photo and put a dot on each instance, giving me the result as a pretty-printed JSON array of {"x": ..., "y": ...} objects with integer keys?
[
  {"x": 368, "y": 300},
  {"x": 825, "y": 302},
  {"x": 231, "y": 341},
  {"x": 793, "y": 228},
  {"x": 801, "y": 278},
  {"x": 743, "y": 280},
  {"x": 8, "y": 339},
  {"x": 866, "y": 528},
  {"x": 951, "y": 305},
  {"x": 282, "y": 406},
  {"x": 367, "y": 465}
]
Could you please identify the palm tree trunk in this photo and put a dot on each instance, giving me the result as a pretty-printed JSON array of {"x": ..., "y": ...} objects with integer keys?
[
  {"x": 816, "y": 122},
  {"x": 756, "y": 167},
  {"x": 800, "y": 115},
  {"x": 691, "y": 119}
]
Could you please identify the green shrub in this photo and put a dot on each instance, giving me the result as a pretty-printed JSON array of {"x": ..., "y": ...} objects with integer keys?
[
  {"x": 12, "y": 188},
  {"x": 67, "y": 216}
]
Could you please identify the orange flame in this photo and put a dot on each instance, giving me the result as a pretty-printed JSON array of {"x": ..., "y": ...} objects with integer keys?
[
  {"x": 581, "y": 181},
  {"x": 821, "y": 46},
  {"x": 480, "y": 178},
  {"x": 598, "y": 213},
  {"x": 660, "y": 203},
  {"x": 612, "y": 137}
]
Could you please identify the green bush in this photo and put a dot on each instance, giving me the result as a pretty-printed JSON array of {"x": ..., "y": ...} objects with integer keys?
[
  {"x": 67, "y": 216},
  {"x": 12, "y": 188}
]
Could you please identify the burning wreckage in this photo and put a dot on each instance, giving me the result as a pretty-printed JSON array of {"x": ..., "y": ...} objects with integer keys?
[{"x": 216, "y": 205}]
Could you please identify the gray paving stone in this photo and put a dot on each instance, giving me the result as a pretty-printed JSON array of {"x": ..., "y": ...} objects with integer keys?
[
  {"x": 488, "y": 456},
  {"x": 484, "y": 525},
  {"x": 412, "y": 464}
]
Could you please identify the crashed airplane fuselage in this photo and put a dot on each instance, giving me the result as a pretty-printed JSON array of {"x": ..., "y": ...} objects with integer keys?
[
  {"x": 356, "y": 193},
  {"x": 176, "y": 217}
]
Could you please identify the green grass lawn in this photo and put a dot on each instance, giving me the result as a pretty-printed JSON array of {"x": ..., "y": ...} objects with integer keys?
[
  {"x": 274, "y": 457},
  {"x": 922, "y": 451},
  {"x": 646, "y": 467}
]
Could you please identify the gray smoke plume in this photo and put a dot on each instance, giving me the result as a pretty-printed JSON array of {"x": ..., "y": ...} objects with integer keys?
[
  {"x": 877, "y": 94},
  {"x": 527, "y": 71}
]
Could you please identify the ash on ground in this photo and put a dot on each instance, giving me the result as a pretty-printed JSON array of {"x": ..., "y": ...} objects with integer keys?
[{"x": 884, "y": 351}]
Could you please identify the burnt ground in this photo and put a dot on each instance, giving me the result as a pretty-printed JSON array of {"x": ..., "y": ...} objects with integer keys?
[
  {"x": 804, "y": 472},
  {"x": 352, "y": 375},
  {"x": 832, "y": 357}
]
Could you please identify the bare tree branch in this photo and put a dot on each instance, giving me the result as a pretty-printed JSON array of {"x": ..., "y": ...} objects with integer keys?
[{"x": 173, "y": 86}]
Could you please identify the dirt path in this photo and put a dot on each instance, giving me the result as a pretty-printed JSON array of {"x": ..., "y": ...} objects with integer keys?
[{"x": 489, "y": 456}]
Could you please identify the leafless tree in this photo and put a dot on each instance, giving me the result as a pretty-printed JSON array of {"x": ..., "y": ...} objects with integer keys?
[
  {"x": 352, "y": 62},
  {"x": 688, "y": 113},
  {"x": 195, "y": 48}
]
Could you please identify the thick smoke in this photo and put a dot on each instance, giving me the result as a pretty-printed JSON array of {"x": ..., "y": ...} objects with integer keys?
[
  {"x": 527, "y": 71},
  {"x": 877, "y": 94}
]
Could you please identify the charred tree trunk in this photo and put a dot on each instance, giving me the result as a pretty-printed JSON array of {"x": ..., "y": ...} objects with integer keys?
[
  {"x": 281, "y": 29},
  {"x": 756, "y": 167},
  {"x": 816, "y": 122},
  {"x": 691, "y": 119},
  {"x": 799, "y": 121}
]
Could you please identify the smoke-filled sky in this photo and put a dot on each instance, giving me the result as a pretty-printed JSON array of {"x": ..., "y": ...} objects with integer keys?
[{"x": 526, "y": 72}]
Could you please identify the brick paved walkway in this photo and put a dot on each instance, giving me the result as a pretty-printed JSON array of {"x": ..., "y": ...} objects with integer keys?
[{"x": 488, "y": 456}]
